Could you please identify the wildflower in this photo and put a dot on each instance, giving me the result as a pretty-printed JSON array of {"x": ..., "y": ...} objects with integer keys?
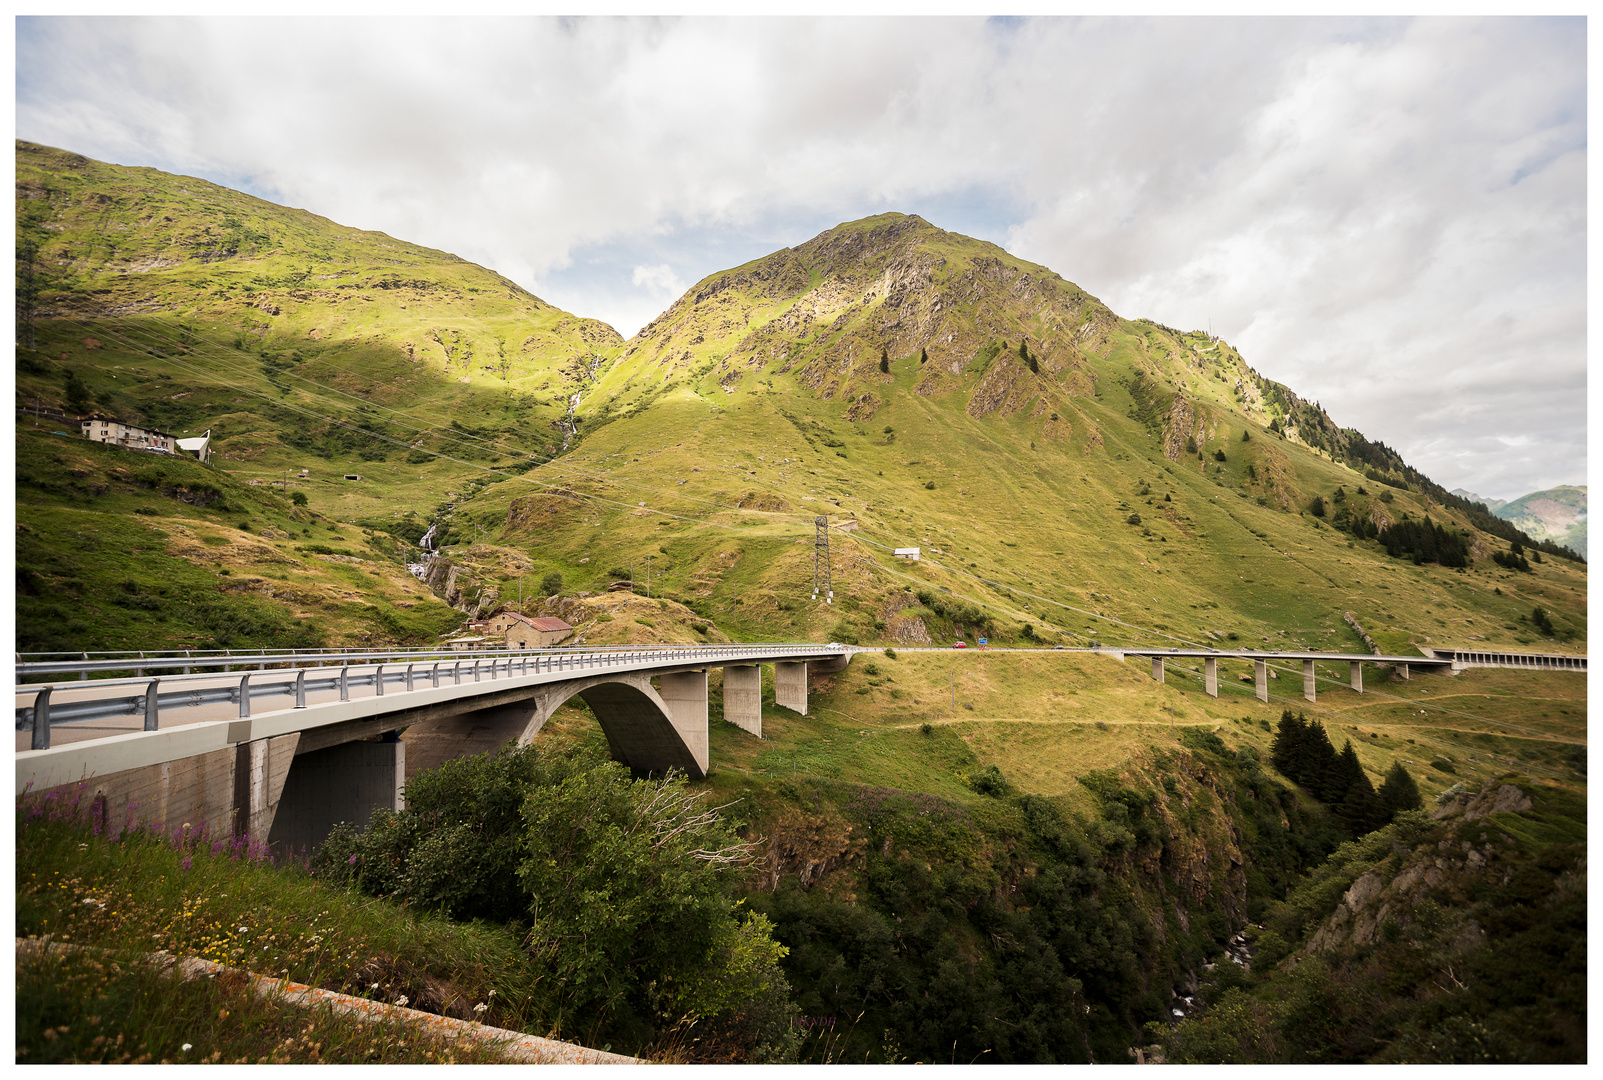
[
  {"x": 479, "y": 1008},
  {"x": 353, "y": 860},
  {"x": 189, "y": 1046},
  {"x": 188, "y": 860},
  {"x": 402, "y": 1000}
]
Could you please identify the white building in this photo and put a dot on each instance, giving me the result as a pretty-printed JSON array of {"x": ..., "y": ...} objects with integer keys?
[{"x": 130, "y": 436}]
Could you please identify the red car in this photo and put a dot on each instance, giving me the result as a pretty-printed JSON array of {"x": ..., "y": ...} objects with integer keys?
[{"x": 959, "y": 645}]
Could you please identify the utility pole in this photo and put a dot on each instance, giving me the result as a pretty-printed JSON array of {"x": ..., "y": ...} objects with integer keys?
[
  {"x": 951, "y": 681},
  {"x": 821, "y": 559},
  {"x": 648, "y": 577}
]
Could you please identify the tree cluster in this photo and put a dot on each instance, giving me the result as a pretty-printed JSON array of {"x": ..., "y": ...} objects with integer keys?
[
  {"x": 1302, "y": 751},
  {"x": 1514, "y": 560},
  {"x": 1425, "y": 542}
]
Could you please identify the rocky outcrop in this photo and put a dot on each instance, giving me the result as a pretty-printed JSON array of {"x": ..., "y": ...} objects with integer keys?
[
  {"x": 1385, "y": 897},
  {"x": 1369, "y": 641}
]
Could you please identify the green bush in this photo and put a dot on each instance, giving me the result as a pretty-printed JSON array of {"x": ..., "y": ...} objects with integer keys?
[{"x": 625, "y": 885}]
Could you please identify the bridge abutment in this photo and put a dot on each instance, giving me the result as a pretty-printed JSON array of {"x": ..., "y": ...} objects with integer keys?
[
  {"x": 1210, "y": 676},
  {"x": 1308, "y": 689},
  {"x": 1356, "y": 675},
  {"x": 1260, "y": 679},
  {"x": 1157, "y": 668},
  {"x": 340, "y": 783}
]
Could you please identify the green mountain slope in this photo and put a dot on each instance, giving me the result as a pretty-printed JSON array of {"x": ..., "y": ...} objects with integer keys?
[
  {"x": 301, "y": 345},
  {"x": 1557, "y": 514},
  {"x": 1114, "y": 480}
]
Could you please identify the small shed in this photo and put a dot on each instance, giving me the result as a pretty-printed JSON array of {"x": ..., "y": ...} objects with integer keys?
[
  {"x": 907, "y": 553},
  {"x": 464, "y": 643},
  {"x": 527, "y": 633}
]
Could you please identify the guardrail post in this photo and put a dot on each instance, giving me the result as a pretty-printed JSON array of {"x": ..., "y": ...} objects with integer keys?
[
  {"x": 434, "y": 676},
  {"x": 475, "y": 671},
  {"x": 378, "y": 679},
  {"x": 300, "y": 689},
  {"x": 345, "y": 683},
  {"x": 244, "y": 696},
  {"x": 186, "y": 657},
  {"x": 139, "y": 672},
  {"x": 83, "y": 676},
  {"x": 457, "y": 673},
  {"x": 409, "y": 678},
  {"x": 152, "y": 716},
  {"x": 41, "y": 720}
]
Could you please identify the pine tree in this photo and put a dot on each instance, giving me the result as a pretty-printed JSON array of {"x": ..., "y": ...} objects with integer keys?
[
  {"x": 1398, "y": 792},
  {"x": 885, "y": 361},
  {"x": 77, "y": 394},
  {"x": 1283, "y": 752},
  {"x": 923, "y": 356},
  {"x": 1024, "y": 354}
]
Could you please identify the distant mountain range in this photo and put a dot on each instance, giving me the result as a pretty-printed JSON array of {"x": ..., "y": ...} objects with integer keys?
[{"x": 1557, "y": 514}]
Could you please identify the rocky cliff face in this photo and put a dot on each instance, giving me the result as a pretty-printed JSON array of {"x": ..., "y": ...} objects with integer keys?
[{"x": 1384, "y": 899}]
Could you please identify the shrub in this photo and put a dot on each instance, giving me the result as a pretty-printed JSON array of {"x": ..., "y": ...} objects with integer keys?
[
  {"x": 551, "y": 584},
  {"x": 298, "y": 498},
  {"x": 989, "y": 781}
]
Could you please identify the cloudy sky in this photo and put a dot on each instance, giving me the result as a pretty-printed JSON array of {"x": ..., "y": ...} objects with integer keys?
[{"x": 1386, "y": 215}]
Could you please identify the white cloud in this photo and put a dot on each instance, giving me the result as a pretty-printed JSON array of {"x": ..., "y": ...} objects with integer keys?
[
  {"x": 659, "y": 280},
  {"x": 1388, "y": 216}
]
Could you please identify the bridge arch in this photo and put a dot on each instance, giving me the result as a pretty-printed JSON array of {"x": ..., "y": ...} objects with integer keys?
[{"x": 648, "y": 729}]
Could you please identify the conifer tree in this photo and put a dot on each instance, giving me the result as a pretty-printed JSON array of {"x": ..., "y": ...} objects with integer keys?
[
  {"x": 923, "y": 356},
  {"x": 1398, "y": 792},
  {"x": 885, "y": 361}
]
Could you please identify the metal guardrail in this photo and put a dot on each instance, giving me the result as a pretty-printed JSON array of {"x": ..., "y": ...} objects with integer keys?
[
  {"x": 83, "y": 664},
  {"x": 43, "y": 713}
]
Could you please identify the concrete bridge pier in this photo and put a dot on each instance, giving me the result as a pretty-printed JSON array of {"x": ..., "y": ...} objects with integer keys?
[
  {"x": 685, "y": 694},
  {"x": 1157, "y": 669},
  {"x": 339, "y": 783},
  {"x": 1402, "y": 671},
  {"x": 1308, "y": 680},
  {"x": 1210, "y": 676},
  {"x": 790, "y": 685},
  {"x": 743, "y": 697},
  {"x": 1260, "y": 675},
  {"x": 1356, "y": 675}
]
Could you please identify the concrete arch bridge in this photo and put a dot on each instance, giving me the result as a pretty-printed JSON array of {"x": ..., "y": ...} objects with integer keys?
[{"x": 184, "y": 737}]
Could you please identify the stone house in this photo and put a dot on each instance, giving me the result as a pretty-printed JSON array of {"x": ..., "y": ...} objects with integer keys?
[{"x": 527, "y": 633}]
